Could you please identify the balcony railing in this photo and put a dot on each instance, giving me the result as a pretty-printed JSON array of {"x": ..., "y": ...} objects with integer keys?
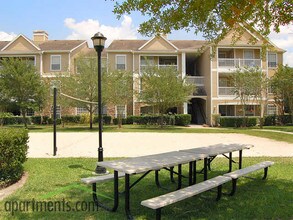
[
  {"x": 227, "y": 91},
  {"x": 234, "y": 63},
  {"x": 196, "y": 80}
]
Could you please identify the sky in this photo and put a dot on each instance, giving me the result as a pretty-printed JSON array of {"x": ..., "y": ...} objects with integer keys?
[{"x": 81, "y": 19}]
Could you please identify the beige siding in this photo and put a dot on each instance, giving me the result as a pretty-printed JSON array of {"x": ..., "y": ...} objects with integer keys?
[
  {"x": 47, "y": 63},
  {"x": 21, "y": 44},
  {"x": 158, "y": 44}
]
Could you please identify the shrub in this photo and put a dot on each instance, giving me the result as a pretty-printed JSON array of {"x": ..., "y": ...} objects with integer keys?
[
  {"x": 106, "y": 119},
  {"x": 13, "y": 151},
  {"x": 51, "y": 121},
  {"x": 270, "y": 120},
  {"x": 182, "y": 119},
  {"x": 115, "y": 121},
  {"x": 75, "y": 119},
  {"x": 36, "y": 120},
  {"x": 237, "y": 121},
  {"x": 284, "y": 119}
]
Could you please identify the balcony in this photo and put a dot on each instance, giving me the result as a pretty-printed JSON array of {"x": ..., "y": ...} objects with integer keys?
[
  {"x": 226, "y": 91},
  {"x": 236, "y": 63},
  {"x": 196, "y": 80}
]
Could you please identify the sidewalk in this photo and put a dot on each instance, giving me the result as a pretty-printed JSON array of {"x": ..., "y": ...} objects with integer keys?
[{"x": 85, "y": 144}]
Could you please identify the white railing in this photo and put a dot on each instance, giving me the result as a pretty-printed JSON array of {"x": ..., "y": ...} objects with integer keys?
[
  {"x": 233, "y": 63},
  {"x": 229, "y": 91},
  {"x": 196, "y": 80}
]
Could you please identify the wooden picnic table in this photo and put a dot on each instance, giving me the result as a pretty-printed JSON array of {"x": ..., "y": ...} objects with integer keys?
[{"x": 156, "y": 162}]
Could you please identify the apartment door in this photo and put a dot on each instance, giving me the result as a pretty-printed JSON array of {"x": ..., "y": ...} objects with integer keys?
[{"x": 196, "y": 109}]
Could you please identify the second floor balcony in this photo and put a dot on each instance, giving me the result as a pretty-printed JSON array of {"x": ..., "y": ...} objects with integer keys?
[
  {"x": 226, "y": 91},
  {"x": 196, "y": 80},
  {"x": 230, "y": 63}
]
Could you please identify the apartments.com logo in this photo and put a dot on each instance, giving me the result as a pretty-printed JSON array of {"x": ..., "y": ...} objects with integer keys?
[
  {"x": 45, "y": 205},
  {"x": 49, "y": 206}
]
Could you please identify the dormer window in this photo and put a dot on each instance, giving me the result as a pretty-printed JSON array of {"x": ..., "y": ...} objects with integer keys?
[{"x": 55, "y": 62}]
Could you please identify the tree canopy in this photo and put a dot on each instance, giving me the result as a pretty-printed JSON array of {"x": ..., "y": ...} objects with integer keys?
[
  {"x": 163, "y": 88},
  {"x": 21, "y": 84},
  {"x": 282, "y": 87},
  {"x": 213, "y": 18}
]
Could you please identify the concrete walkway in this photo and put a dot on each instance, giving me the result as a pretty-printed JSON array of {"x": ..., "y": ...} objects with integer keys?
[{"x": 85, "y": 144}]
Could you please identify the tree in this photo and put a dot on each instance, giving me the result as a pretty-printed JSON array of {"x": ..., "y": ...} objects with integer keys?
[
  {"x": 21, "y": 85},
  {"x": 251, "y": 85},
  {"x": 213, "y": 18},
  {"x": 259, "y": 89},
  {"x": 118, "y": 90},
  {"x": 282, "y": 87},
  {"x": 163, "y": 88},
  {"x": 82, "y": 85}
]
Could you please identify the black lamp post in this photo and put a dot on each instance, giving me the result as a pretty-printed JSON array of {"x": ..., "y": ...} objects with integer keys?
[{"x": 99, "y": 43}]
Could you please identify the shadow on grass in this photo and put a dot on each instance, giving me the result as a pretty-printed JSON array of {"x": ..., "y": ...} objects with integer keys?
[{"x": 254, "y": 199}]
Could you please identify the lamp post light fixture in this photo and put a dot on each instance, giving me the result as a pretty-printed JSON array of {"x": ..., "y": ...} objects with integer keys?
[{"x": 99, "y": 43}]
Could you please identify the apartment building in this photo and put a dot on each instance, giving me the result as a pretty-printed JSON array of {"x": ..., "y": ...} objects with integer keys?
[
  {"x": 50, "y": 57},
  {"x": 196, "y": 61}
]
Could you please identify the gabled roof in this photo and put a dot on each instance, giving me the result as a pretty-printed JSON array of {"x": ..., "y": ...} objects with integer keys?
[
  {"x": 3, "y": 44},
  {"x": 135, "y": 45},
  {"x": 66, "y": 45},
  {"x": 155, "y": 38},
  {"x": 16, "y": 38}
]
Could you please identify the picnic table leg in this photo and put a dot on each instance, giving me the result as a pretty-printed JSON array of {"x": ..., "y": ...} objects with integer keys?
[
  {"x": 179, "y": 176},
  {"x": 116, "y": 195},
  {"x": 172, "y": 174},
  {"x": 230, "y": 161},
  {"x": 205, "y": 169},
  {"x": 194, "y": 172},
  {"x": 157, "y": 178},
  {"x": 190, "y": 173},
  {"x": 240, "y": 159},
  {"x": 127, "y": 197}
]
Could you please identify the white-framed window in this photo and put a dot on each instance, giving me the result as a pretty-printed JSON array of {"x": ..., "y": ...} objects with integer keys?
[
  {"x": 81, "y": 110},
  {"x": 121, "y": 62},
  {"x": 272, "y": 59},
  {"x": 104, "y": 110},
  {"x": 30, "y": 112},
  {"x": 55, "y": 64},
  {"x": 120, "y": 110},
  {"x": 271, "y": 109}
]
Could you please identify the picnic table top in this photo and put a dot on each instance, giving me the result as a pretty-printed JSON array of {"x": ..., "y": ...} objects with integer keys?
[{"x": 158, "y": 161}]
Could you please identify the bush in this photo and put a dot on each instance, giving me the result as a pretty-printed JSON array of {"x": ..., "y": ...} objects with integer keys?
[
  {"x": 75, "y": 119},
  {"x": 182, "y": 119},
  {"x": 284, "y": 119},
  {"x": 106, "y": 119},
  {"x": 13, "y": 151},
  {"x": 237, "y": 121},
  {"x": 115, "y": 121},
  {"x": 8, "y": 119},
  {"x": 270, "y": 120},
  {"x": 51, "y": 121}
]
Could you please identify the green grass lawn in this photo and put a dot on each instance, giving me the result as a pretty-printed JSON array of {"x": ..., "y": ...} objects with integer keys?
[
  {"x": 59, "y": 180},
  {"x": 171, "y": 129},
  {"x": 280, "y": 128}
]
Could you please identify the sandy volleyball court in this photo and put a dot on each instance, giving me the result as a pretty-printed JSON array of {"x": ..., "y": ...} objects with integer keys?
[{"x": 85, "y": 144}]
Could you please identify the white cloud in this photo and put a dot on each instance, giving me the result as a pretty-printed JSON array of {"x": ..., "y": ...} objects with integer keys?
[
  {"x": 284, "y": 40},
  {"x": 6, "y": 36},
  {"x": 86, "y": 29}
]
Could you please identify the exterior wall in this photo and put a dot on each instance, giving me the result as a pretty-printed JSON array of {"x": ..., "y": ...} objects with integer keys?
[
  {"x": 21, "y": 45},
  {"x": 47, "y": 61}
]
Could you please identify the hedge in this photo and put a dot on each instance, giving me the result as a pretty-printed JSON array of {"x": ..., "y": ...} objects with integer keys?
[
  {"x": 272, "y": 120},
  {"x": 70, "y": 118},
  {"x": 13, "y": 152},
  {"x": 180, "y": 120},
  {"x": 12, "y": 120},
  {"x": 106, "y": 119},
  {"x": 237, "y": 121}
]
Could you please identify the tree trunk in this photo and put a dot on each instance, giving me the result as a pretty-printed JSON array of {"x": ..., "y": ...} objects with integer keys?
[
  {"x": 91, "y": 116},
  {"x": 24, "y": 118}
]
